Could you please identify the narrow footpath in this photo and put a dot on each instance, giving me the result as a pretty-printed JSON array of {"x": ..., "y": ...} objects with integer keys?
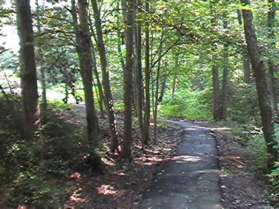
[{"x": 191, "y": 179}]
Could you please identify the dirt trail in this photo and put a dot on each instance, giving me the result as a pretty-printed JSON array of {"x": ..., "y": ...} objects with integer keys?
[{"x": 191, "y": 179}]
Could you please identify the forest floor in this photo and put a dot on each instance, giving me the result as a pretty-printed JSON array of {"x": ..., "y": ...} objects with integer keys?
[{"x": 122, "y": 185}]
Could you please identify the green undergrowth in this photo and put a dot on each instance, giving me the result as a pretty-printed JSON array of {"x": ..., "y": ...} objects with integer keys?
[
  {"x": 187, "y": 104},
  {"x": 34, "y": 172},
  {"x": 274, "y": 176},
  {"x": 59, "y": 105}
]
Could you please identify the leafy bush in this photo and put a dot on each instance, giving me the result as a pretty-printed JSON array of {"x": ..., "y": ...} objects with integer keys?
[
  {"x": 31, "y": 188},
  {"x": 258, "y": 146},
  {"x": 119, "y": 106},
  {"x": 59, "y": 105},
  {"x": 244, "y": 105},
  {"x": 274, "y": 176},
  {"x": 192, "y": 105},
  {"x": 30, "y": 172}
]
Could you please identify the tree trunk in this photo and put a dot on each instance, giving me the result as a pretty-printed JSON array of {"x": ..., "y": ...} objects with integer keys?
[
  {"x": 163, "y": 88},
  {"x": 28, "y": 75},
  {"x": 245, "y": 57},
  {"x": 215, "y": 70},
  {"x": 99, "y": 84},
  {"x": 105, "y": 75},
  {"x": 272, "y": 46},
  {"x": 157, "y": 86},
  {"x": 139, "y": 79},
  {"x": 174, "y": 75},
  {"x": 263, "y": 88},
  {"x": 156, "y": 98},
  {"x": 128, "y": 78},
  {"x": 96, "y": 73},
  {"x": 86, "y": 64},
  {"x": 246, "y": 66},
  {"x": 225, "y": 82},
  {"x": 147, "y": 81},
  {"x": 216, "y": 92},
  {"x": 42, "y": 69}
]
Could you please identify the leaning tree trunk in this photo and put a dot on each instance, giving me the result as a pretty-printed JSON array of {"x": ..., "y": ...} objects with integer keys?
[
  {"x": 98, "y": 82},
  {"x": 245, "y": 57},
  {"x": 263, "y": 88},
  {"x": 246, "y": 66},
  {"x": 95, "y": 71},
  {"x": 128, "y": 78},
  {"x": 272, "y": 46},
  {"x": 28, "y": 74},
  {"x": 86, "y": 63},
  {"x": 105, "y": 75}
]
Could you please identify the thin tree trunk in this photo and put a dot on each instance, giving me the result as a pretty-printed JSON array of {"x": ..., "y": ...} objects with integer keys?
[
  {"x": 163, "y": 88},
  {"x": 215, "y": 70},
  {"x": 263, "y": 88},
  {"x": 139, "y": 79},
  {"x": 105, "y": 75},
  {"x": 147, "y": 81},
  {"x": 86, "y": 63},
  {"x": 156, "y": 98},
  {"x": 157, "y": 86},
  {"x": 99, "y": 95},
  {"x": 175, "y": 75},
  {"x": 120, "y": 40},
  {"x": 216, "y": 92},
  {"x": 128, "y": 78},
  {"x": 99, "y": 84},
  {"x": 96, "y": 73},
  {"x": 28, "y": 75},
  {"x": 225, "y": 81},
  {"x": 42, "y": 69}
]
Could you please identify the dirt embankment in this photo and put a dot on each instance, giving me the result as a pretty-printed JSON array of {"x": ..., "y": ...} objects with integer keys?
[{"x": 242, "y": 184}]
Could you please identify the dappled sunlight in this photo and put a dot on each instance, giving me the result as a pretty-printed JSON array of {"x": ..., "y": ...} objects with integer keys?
[
  {"x": 206, "y": 171},
  {"x": 186, "y": 158},
  {"x": 109, "y": 191},
  {"x": 151, "y": 160},
  {"x": 191, "y": 129},
  {"x": 235, "y": 159},
  {"x": 221, "y": 129},
  {"x": 120, "y": 173},
  {"x": 76, "y": 199}
]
